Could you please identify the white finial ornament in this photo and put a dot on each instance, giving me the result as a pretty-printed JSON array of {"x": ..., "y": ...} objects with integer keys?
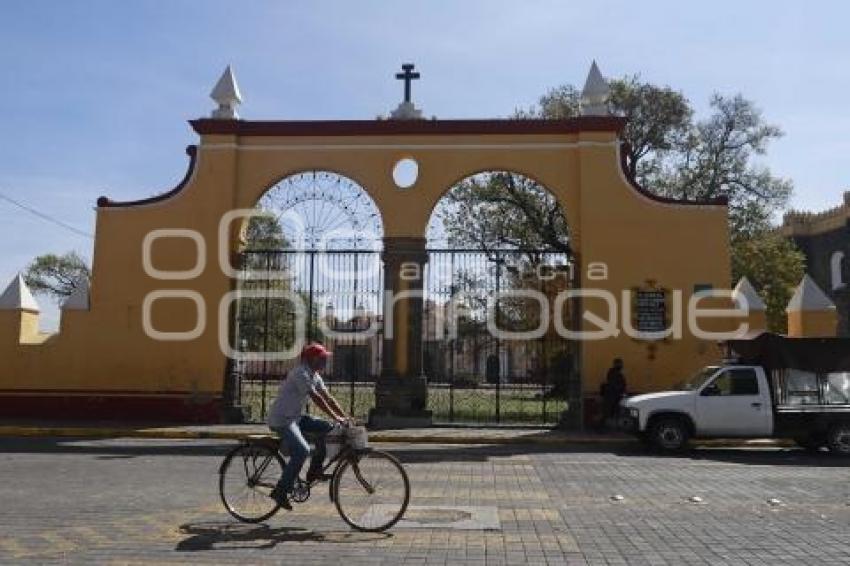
[
  {"x": 809, "y": 297},
  {"x": 226, "y": 94},
  {"x": 594, "y": 95},
  {"x": 746, "y": 290},
  {"x": 17, "y": 296}
]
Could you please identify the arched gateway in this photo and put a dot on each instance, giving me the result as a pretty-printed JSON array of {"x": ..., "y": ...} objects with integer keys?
[{"x": 149, "y": 343}]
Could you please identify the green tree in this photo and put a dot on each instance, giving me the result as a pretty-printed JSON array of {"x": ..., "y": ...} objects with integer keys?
[
  {"x": 509, "y": 210},
  {"x": 56, "y": 275},
  {"x": 503, "y": 210},
  {"x": 716, "y": 158},
  {"x": 264, "y": 232},
  {"x": 659, "y": 118},
  {"x": 667, "y": 152},
  {"x": 270, "y": 325},
  {"x": 774, "y": 266}
]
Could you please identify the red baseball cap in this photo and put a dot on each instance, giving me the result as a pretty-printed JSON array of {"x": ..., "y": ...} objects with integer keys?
[{"x": 315, "y": 351}]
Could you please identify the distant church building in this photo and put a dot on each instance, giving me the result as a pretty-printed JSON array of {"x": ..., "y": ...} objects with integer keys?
[{"x": 824, "y": 238}]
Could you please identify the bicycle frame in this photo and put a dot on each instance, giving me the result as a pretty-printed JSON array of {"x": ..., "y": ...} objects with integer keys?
[{"x": 346, "y": 454}]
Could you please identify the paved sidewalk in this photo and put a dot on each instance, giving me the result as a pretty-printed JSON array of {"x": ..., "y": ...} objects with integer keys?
[
  {"x": 153, "y": 501},
  {"x": 432, "y": 435}
]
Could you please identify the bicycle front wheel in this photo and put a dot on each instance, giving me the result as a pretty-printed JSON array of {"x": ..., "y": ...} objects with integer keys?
[
  {"x": 246, "y": 479},
  {"x": 371, "y": 491}
]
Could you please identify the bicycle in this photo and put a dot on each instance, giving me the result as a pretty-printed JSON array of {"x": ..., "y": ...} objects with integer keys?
[{"x": 369, "y": 488}]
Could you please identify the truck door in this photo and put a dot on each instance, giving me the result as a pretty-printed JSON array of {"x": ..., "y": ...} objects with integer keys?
[{"x": 733, "y": 404}]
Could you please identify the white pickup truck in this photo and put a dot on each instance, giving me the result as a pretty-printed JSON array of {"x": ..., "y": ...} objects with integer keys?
[{"x": 793, "y": 392}]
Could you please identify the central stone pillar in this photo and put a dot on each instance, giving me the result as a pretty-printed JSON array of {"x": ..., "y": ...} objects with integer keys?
[{"x": 401, "y": 391}]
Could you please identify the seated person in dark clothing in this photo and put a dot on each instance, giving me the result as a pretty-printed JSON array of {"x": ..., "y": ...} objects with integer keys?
[{"x": 612, "y": 390}]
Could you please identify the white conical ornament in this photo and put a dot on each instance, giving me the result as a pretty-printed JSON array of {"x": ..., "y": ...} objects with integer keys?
[
  {"x": 226, "y": 94},
  {"x": 744, "y": 291},
  {"x": 809, "y": 297},
  {"x": 78, "y": 300},
  {"x": 17, "y": 296},
  {"x": 594, "y": 95}
]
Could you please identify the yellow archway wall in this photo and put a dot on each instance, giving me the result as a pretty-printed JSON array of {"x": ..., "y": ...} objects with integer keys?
[{"x": 104, "y": 351}]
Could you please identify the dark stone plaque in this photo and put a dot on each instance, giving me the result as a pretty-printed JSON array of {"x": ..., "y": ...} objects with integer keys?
[{"x": 650, "y": 311}]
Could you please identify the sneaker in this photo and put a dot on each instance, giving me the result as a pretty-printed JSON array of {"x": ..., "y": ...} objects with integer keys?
[{"x": 279, "y": 495}]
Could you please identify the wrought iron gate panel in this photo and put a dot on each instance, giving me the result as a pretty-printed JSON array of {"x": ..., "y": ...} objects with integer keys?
[
  {"x": 342, "y": 293},
  {"x": 475, "y": 376}
]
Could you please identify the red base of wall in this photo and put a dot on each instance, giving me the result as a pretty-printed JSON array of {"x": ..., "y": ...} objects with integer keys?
[
  {"x": 592, "y": 411},
  {"x": 110, "y": 407}
]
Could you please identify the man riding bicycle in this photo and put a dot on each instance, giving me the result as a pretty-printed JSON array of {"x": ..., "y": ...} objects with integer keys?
[{"x": 287, "y": 418}]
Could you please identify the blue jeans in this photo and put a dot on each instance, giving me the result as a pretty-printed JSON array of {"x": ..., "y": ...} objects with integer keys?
[{"x": 292, "y": 436}]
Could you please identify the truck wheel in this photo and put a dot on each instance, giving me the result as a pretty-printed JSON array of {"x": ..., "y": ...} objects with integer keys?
[
  {"x": 669, "y": 434},
  {"x": 839, "y": 440}
]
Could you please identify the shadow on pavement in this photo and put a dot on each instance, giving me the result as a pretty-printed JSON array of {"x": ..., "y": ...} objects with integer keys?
[
  {"x": 229, "y": 536},
  {"x": 125, "y": 448},
  {"x": 765, "y": 457},
  {"x": 744, "y": 456}
]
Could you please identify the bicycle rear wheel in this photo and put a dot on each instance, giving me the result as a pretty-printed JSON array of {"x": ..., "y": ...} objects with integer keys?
[
  {"x": 371, "y": 491},
  {"x": 246, "y": 478}
]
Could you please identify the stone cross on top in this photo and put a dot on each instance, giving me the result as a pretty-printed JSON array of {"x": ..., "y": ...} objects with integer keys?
[
  {"x": 406, "y": 110},
  {"x": 407, "y": 76}
]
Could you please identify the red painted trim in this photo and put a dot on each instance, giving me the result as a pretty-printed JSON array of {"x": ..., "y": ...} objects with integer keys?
[
  {"x": 717, "y": 201},
  {"x": 107, "y": 408},
  {"x": 191, "y": 151},
  {"x": 106, "y": 392},
  {"x": 208, "y": 126}
]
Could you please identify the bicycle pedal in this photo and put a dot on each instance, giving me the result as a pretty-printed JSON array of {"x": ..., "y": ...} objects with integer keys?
[{"x": 300, "y": 492}]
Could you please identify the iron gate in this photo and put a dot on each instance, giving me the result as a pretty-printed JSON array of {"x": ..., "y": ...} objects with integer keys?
[
  {"x": 341, "y": 291},
  {"x": 478, "y": 376},
  {"x": 473, "y": 376}
]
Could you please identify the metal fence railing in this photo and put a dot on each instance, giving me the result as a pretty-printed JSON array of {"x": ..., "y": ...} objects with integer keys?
[{"x": 473, "y": 376}]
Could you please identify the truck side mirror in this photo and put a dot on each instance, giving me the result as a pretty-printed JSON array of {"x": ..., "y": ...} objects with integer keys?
[{"x": 711, "y": 390}]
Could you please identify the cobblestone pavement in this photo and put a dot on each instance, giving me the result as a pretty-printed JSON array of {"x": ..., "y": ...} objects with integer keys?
[{"x": 155, "y": 501}]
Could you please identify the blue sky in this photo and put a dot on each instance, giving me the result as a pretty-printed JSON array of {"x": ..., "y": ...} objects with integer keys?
[{"x": 96, "y": 94}]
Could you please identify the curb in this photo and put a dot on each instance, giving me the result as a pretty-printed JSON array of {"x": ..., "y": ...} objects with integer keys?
[{"x": 377, "y": 437}]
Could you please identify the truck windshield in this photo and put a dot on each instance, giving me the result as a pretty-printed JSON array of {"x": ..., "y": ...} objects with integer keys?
[{"x": 697, "y": 380}]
